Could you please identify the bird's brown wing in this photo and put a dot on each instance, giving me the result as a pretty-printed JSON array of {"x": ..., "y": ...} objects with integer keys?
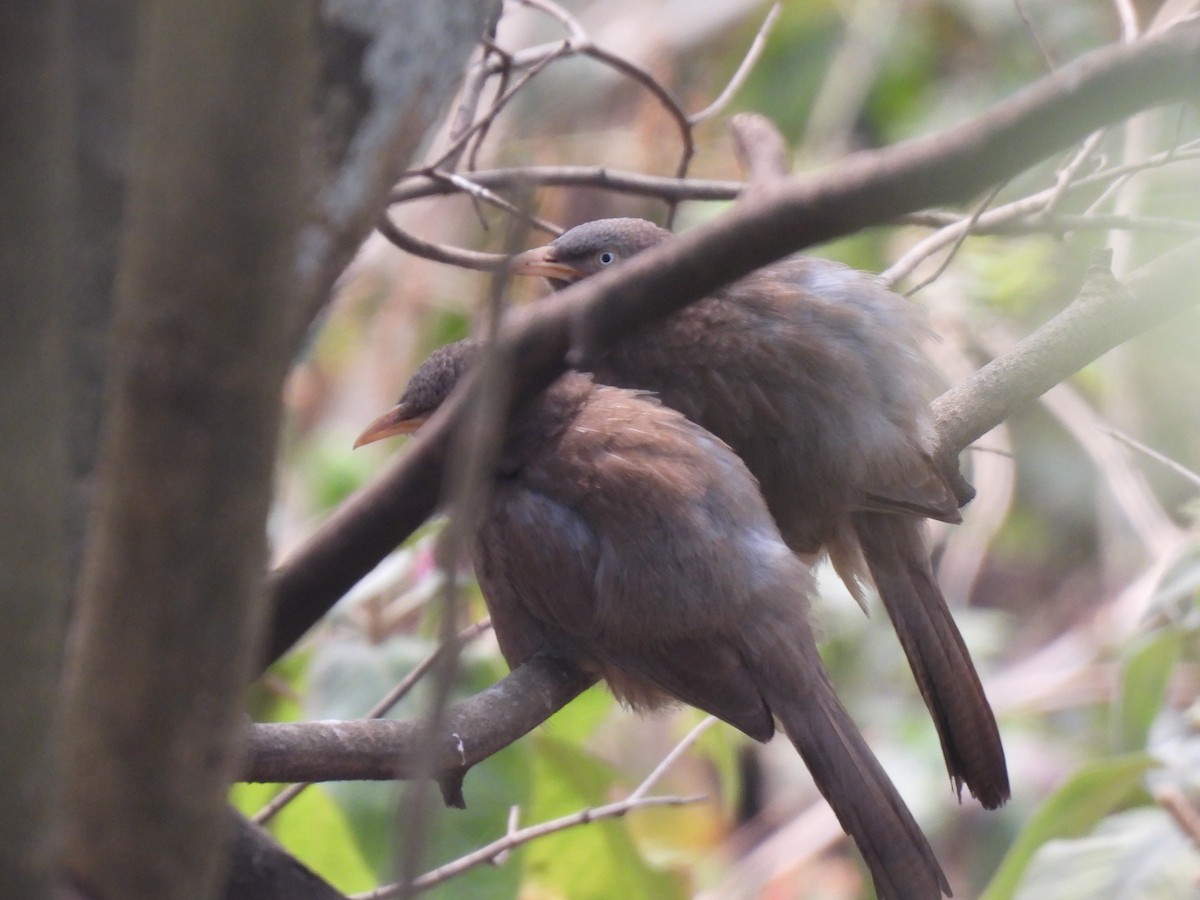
[
  {"x": 861, "y": 344},
  {"x": 543, "y": 568},
  {"x": 638, "y": 501},
  {"x": 921, "y": 491},
  {"x": 536, "y": 561},
  {"x": 709, "y": 675}
]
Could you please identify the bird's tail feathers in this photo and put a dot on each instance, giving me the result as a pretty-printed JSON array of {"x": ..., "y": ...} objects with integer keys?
[
  {"x": 848, "y": 775},
  {"x": 899, "y": 565}
]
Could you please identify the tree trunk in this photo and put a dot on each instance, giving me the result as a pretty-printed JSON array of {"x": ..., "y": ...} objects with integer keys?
[
  {"x": 35, "y": 217},
  {"x": 171, "y": 592}
]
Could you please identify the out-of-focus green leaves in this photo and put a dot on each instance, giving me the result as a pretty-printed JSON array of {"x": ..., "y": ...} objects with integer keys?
[
  {"x": 348, "y": 676},
  {"x": 491, "y": 788},
  {"x": 276, "y": 697},
  {"x": 595, "y": 862},
  {"x": 332, "y": 470},
  {"x": 579, "y": 719},
  {"x": 315, "y": 829},
  {"x": 452, "y": 325},
  {"x": 1093, "y": 792},
  {"x": 1146, "y": 667},
  {"x": 1010, "y": 275},
  {"x": 1139, "y": 854}
]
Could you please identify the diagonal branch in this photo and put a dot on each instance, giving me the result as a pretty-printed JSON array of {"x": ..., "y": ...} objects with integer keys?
[{"x": 382, "y": 749}]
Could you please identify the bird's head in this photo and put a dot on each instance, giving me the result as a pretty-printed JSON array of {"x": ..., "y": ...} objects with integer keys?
[
  {"x": 587, "y": 249},
  {"x": 428, "y": 389}
]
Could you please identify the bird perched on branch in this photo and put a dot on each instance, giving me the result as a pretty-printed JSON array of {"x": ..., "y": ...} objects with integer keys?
[
  {"x": 813, "y": 373},
  {"x": 629, "y": 541}
]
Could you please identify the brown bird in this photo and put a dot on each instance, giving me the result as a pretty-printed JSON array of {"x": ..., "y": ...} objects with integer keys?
[
  {"x": 812, "y": 372},
  {"x": 629, "y": 541}
]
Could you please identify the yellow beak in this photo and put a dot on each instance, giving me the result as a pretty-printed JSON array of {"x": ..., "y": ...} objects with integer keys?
[
  {"x": 540, "y": 261},
  {"x": 396, "y": 420}
]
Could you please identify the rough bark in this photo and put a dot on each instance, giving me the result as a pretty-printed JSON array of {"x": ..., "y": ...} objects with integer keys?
[
  {"x": 35, "y": 216},
  {"x": 102, "y": 42},
  {"x": 260, "y": 869},
  {"x": 170, "y": 600}
]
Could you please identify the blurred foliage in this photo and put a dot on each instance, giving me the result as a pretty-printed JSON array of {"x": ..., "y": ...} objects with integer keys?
[{"x": 1081, "y": 606}]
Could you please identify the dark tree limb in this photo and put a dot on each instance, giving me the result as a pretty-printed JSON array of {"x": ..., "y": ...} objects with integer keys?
[
  {"x": 585, "y": 320},
  {"x": 260, "y": 869},
  {"x": 103, "y": 33},
  {"x": 204, "y": 309},
  {"x": 35, "y": 219},
  {"x": 378, "y": 749}
]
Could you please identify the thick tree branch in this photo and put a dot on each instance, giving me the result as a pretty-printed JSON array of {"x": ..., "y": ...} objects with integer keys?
[
  {"x": 591, "y": 316},
  {"x": 379, "y": 749},
  {"x": 167, "y": 634},
  {"x": 260, "y": 869},
  {"x": 1104, "y": 314},
  {"x": 35, "y": 229}
]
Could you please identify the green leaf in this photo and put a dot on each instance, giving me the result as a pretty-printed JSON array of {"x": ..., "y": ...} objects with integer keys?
[
  {"x": 275, "y": 697},
  {"x": 595, "y": 861},
  {"x": 313, "y": 828},
  {"x": 1139, "y": 854},
  {"x": 1145, "y": 671},
  {"x": 579, "y": 719},
  {"x": 1093, "y": 792}
]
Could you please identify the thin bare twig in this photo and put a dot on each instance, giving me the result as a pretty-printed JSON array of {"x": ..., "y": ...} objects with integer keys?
[
  {"x": 524, "y": 836},
  {"x": 502, "y": 83},
  {"x": 1047, "y": 58},
  {"x": 966, "y": 230},
  {"x": 455, "y": 256},
  {"x": 664, "y": 97},
  {"x": 417, "y": 184},
  {"x": 1176, "y": 467},
  {"x": 467, "y": 186},
  {"x": 1066, "y": 174},
  {"x": 499, "y": 849},
  {"x": 670, "y": 759},
  {"x": 579, "y": 42},
  {"x": 464, "y": 115},
  {"x": 753, "y": 52},
  {"x": 1015, "y": 209},
  {"x": 498, "y": 105},
  {"x": 1057, "y": 224}
]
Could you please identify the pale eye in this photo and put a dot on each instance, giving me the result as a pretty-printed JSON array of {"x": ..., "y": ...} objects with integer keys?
[{"x": 607, "y": 258}]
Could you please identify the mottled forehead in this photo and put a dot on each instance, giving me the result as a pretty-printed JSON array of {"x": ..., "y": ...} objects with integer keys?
[
  {"x": 435, "y": 378},
  {"x": 623, "y": 236}
]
